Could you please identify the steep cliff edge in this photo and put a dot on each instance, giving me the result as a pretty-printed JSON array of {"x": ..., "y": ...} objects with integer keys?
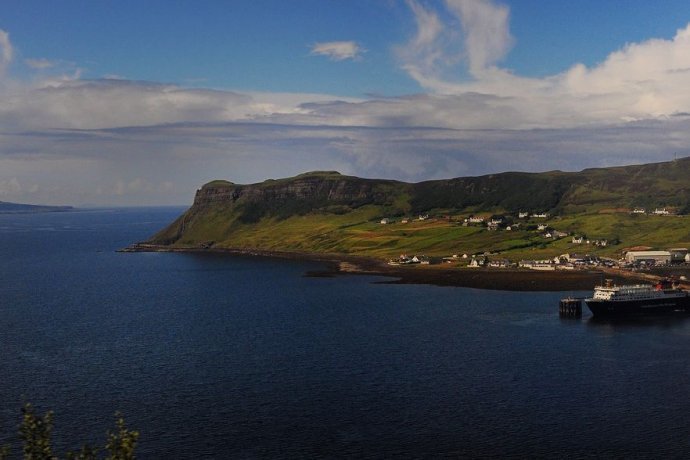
[
  {"x": 220, "y": 205},
  {"x": 325, "y": 211}
]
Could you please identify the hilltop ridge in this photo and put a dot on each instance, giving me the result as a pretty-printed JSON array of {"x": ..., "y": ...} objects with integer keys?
[{"x": 325, "y": 211}]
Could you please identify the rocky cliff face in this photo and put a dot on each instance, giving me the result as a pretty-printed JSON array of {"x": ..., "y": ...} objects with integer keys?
[
  {"x": 220, "y": 204},
  {"x": 313, "y": 190}
]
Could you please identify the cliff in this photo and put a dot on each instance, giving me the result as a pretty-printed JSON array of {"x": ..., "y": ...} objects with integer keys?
[{"x": 327, "y": 211}]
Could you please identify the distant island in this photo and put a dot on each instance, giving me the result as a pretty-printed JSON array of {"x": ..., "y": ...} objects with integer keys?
[
  {"x": 16, "y": 208},
  {"x": 541, "y": 221}
]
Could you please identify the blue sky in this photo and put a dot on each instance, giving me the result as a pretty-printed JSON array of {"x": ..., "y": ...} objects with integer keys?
[{"x": 135, "y": 102}]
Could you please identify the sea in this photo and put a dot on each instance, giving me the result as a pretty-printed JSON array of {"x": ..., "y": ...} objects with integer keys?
[{"x": 217, "y": 356}]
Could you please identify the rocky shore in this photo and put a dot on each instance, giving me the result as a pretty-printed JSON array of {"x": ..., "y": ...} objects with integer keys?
[{"x": 509, "y": 279}]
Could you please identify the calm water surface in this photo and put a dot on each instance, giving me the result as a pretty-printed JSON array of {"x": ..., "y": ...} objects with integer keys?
[{"x": 225, "y": 357}]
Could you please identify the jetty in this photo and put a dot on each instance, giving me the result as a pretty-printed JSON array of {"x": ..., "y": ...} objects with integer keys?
[{"x": 570, "y": 307}]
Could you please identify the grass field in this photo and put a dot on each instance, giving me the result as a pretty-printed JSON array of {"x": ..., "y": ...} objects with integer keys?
[{"x": 360, "y": 232}]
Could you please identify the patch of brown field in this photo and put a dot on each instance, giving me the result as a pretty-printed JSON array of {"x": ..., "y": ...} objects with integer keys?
[{"x": 614, "y": 210}]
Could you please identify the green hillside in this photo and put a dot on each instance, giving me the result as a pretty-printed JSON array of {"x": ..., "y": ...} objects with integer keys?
[{"x": 329, "y": 212}]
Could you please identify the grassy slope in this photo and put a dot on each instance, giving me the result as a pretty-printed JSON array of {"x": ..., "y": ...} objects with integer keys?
[
  {"x": 359, "y": 232},
  {"x": 581, "y": 202}
]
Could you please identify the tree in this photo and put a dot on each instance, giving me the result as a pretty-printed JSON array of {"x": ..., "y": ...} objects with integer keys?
[
  {"x": 121, "y": 445},
  {"x": 35, "y": 433}
]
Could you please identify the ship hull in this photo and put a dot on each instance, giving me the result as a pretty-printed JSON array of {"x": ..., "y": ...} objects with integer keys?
[{"x": 650, "y": 307}]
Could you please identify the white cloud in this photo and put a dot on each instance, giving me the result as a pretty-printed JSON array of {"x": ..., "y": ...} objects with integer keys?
[
  {"x": 6, "y": 51},
  {"x": 421, "y": 55},
  {"x": 486, "y": 31},
  {"x": 640, "y": 81},
  {"x": 94, "y": 104},
  {"x": 40, "y": 63},
  {"x": 338, "y": 51}
]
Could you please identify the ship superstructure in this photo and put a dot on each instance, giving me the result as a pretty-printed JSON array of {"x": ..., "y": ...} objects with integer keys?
[{"x": 638, "y": 299}]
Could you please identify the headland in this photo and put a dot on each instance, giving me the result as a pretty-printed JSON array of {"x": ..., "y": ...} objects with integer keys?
[{"x": 519, "y": 231}]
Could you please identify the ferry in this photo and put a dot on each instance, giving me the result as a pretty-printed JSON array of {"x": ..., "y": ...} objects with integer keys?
[{"x": 639, "y": 299}]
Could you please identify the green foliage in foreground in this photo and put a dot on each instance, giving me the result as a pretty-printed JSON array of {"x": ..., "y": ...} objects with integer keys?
[{"x": 35, "y": 433}]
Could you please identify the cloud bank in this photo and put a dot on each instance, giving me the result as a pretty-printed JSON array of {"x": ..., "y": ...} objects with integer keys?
[
  {"x": 640, "y": 81},
  {"x": 64, "y": 139}
]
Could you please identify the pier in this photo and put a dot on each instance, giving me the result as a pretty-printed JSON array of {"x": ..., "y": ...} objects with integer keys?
[{"x": 570, "y": 307}]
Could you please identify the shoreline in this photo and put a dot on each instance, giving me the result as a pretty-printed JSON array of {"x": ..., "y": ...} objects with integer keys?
[{"x": 503, "y": 279}]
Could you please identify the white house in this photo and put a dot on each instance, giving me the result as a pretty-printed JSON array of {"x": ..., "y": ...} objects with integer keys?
[
  {"x": 545, "y": 265},
  {"x": 475, "y": 263}
]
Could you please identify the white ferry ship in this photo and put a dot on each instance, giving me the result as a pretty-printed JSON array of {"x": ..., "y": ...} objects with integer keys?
[{"x": 638, "y": 299}]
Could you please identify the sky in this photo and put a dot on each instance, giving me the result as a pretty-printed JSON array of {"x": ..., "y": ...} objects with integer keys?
[{"x": 140, "y": 103}]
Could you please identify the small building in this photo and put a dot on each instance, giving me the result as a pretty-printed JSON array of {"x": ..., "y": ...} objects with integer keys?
[
  {"x": 577, "y": 240},
  {"x": 639, "y": 211},
  {"x": 661, "y": 212},
  {"x": 424, "y": 260},
  {"x": 545, "y": 265},
  {"x": 654, "y": 257},
  {"x": 500, "y": 263},
  {"x": 678, "y": 254},
  {"x": 541, "y": 215},
  {"x": 477, "y": 262},
  {"x": 523, "y": 215},
  {"x": 385, "y": 221},
  {"x": 577, "y": 259},
  {"x": 404, "y": 221}
]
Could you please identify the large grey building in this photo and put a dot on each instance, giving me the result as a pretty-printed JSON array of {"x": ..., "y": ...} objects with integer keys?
[{"x": 658, "y": 257}]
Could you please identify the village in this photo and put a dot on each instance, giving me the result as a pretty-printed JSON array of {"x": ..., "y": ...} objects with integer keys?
[{"x": 632, "y": 258}]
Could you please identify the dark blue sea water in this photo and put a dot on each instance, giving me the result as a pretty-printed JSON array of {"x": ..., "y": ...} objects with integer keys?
[{"x": 224, "y": 357}]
